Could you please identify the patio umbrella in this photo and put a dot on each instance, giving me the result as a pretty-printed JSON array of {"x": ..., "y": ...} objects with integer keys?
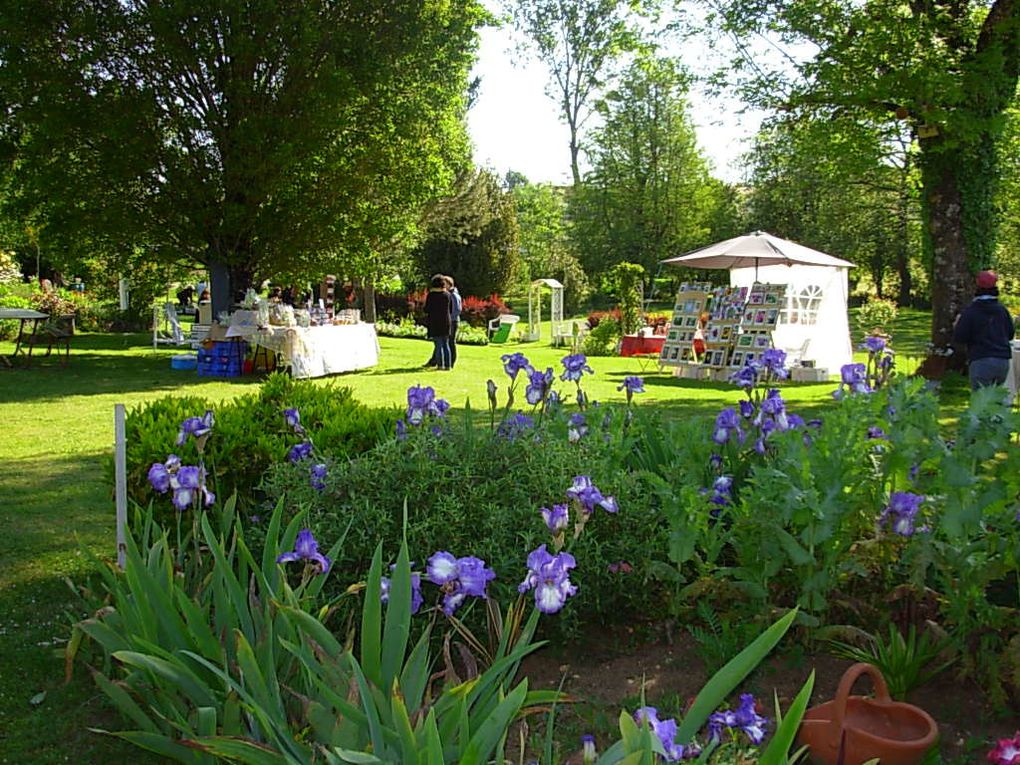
[{"x": 758, "y": 247}]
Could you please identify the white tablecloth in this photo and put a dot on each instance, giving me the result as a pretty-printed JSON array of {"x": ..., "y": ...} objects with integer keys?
[
  {"x": 1013, "y": 376},
  {"x": 320, "y": 351}
]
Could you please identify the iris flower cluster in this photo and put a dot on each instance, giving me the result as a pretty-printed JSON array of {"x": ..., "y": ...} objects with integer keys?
[
  {"x": 665, "y": 731},
  {"x": 306, "y": 549},
  {"x": 539, "y": 386},
  {"x": 416, "y": 596},
  {"x": 881, "y": 360},
  {"x": 458, "y": 578},
  {"x": 900, "y": 515},
  {"x": 575, "y": 366},
  {"x": 743, "y": 718},
  {"x": 515, "y": 426},
  {"x": 299, "y": 452},
  {"x": 186, "y": 481},
  {"x": 577, "y": 427},
  {"x": 422, "y": 407},
  {"x": 770, "y": 367},
  {"x": 588, "y": 497},
  {"x": 631, "y": 384},
  {"x": 549, "y": 576}
]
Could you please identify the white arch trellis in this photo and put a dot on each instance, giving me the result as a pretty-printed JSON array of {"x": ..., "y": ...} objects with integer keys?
[{"x": 535, "y": 307}]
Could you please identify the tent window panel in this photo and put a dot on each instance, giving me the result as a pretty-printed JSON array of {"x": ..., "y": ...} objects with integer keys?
[{"x": 802, "y": 306}]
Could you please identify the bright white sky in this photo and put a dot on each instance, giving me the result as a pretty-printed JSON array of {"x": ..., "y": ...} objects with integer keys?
[{"x": 515, "y": 126}]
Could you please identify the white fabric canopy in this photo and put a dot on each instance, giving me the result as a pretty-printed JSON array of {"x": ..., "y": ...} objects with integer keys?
[{"x": 757, "y": 248}]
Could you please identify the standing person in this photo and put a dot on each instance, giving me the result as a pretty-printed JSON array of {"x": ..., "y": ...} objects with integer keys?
[
  {"x": 456, "y": 304},
  {"x": 986, "y": 328},
  {"x": 438, "y": 306}
]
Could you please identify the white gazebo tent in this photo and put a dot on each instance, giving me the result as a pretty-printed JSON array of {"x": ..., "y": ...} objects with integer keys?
[
  {"x": 814, "y": 324},
  {"x": 535, "y": 307}
]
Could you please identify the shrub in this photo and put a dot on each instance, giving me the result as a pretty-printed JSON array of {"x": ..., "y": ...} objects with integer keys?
[
  {"x": 594, "y": 317},
  {"x": 478, "y": 492},
  {"x": 468, "y": 335},
  {"x": 10, "y": 298},
  {"x": 602, "y": 340},
  {"x": 10, "y": 273},
  {"x": 250, "y": 432},
  {"x": 478, "y": 312},
  {"x": 405, "y": 327},
  {"x": 876, "y": 315}
]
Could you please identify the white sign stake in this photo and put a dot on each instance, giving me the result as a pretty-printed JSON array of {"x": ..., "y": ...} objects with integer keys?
[{"x": 120, "y": 481}]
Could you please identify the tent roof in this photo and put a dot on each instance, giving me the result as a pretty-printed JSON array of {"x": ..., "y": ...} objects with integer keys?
[{"x": 756, "y": 248}]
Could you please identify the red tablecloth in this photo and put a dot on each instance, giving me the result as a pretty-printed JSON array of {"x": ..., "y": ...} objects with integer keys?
[{"x": 632, "y": 345}]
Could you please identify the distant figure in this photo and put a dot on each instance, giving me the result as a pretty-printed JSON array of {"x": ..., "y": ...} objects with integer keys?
[
  {"x": 185, "y": 296},
  {"x": 455, "y": 309},
  {"x": 699, "y": 336},
  {"x": 438, "y": 309},
  {"x": 986, "y": 328}
]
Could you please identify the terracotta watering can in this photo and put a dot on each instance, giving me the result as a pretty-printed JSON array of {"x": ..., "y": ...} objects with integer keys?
[{"x": 851, "y": 730}]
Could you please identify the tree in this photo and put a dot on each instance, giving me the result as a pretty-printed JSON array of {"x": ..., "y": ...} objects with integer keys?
[
  {"x": 578, "y": 40},
  {"x": 472, "y": 235},
  {"x": 259, "y": 139},
  {"x": 648, "y": 195},
  {"x": 842, "y": 187},
  {"x": 946, "y": 69}
]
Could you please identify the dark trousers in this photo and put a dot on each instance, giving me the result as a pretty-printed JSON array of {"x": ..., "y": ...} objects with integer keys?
[
  {"x": 441, "y": 354},
  {"x": 452, "y": 343}
]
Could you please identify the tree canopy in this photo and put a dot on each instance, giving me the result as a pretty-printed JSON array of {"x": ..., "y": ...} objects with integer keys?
[{"x": 262, "y": 137}]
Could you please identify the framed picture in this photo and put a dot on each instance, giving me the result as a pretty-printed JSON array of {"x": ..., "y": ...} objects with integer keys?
[
  {"x": 771, "y": 298},
  {"x": 713, "y": 335},
  {"x": 737, "y": 359},
  {"x": 674, "y": 353},
  {"x": 749, "y": 357},
  {"x": 664, "y": 354},
  {"x": 674, "y": 334},
  {"x": 691, "y": 321},
  {"x": 691, "y": 306},
  {"x": 745, "y": 341},
  {"x": 762, "y": 341},
  {"x": 757, "y": 298},
  {"x": 727, "y": 332},
  {"x": 759, "y": 317},
  {"x": 772, "y": 317},
  {"x": 678, "y": 321}
]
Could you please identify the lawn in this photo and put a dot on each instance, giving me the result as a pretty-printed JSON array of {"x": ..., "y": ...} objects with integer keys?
[{"x": 58, "y": 436}]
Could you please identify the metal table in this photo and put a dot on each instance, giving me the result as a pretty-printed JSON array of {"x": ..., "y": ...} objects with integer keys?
[{"x": 22, "y": 315}]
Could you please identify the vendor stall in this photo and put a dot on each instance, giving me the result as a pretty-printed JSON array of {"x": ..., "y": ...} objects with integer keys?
[{"x": 324, "y": 350}]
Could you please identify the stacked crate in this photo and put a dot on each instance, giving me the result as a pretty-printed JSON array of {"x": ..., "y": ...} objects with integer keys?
[{"x": 221, "y": 358}]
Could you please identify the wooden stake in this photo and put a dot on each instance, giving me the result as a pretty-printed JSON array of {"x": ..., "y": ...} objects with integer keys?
[{"x": 120, "y": 481}]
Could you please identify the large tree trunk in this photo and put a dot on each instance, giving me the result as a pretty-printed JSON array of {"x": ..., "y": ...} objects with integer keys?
[{"x": 368, "y": 300}]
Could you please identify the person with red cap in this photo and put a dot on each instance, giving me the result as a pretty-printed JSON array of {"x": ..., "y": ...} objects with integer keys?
[{"x": 986, "y": 328}]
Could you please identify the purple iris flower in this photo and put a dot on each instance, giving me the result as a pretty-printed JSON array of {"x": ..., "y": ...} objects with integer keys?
[
  {"x": 458, "y": 578},
  {"x": 549, "y": 576},
  {"x": 300, "y": 452},
  {"x": 514, "y": 426},
  {"x": 490, "y": 389},
  {"x": 557, "y": 518},
  {"x": 774, "y": 407},
  {"x": 577, "y": 428},
  {"x": 722, "y": 489},
  {"x": 876, "y": 432},
  {"x": 901, "y": 513},
  {"x": 632, "y": 385},
  {"x": 774, "y": 362},
  {"x": 726, "y": 425},
  {"x": 874, "y": 344},
  {"x": 665, "y": 731},
  {"x": 514, "y": 363},
  {"x": 743, "y": 718},
  {"x": 401, "y": 430},
  {"x": 574, "y": 367},
  {"x": 422, "y": 403},
  {"x": 912, "y": 474},
  {"x": 186, "y": 483},
  {"x": 159, "y": 476},
  {"x": 416, "y": 597},
  {"x": 539, "y": 385},
  {"x": 795, "y": 421},
  {"x": 195, "y": 426},
  {"x": 746, "y": 409},
  {"x": 293, "y": 419},
  {"x": 307, "y": 549},
  {"x": 588, "y": 752},
  {"x": 854, "y": 377},
  {"x": 318, "y": 476},
  {"x": 588, "y": 496},
  {"x": 715, "y": 461},
  {"x": 746, "y": 377}
]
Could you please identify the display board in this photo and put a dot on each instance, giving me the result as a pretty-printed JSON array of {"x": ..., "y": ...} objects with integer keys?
[{"x": 736, "y": 324}]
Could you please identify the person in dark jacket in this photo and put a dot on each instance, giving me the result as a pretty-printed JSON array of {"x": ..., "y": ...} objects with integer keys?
[
  {"x": 438, "y": 307},
  {"x": 986, "y": 328}
]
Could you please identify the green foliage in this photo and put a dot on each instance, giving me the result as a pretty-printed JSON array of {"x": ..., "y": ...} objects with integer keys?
[
  {"x": 602, "y": 340},
  {"x": 407, "y": 327},
  {"x": 10, "y": 272},
  {"x": 342, "y": 121},
  {"x": 472, "y": 235},
  {"x": 720, "y": 639},
  {"x": 876, "y": 315},
  {"x": 625, "y": 280},
  {"x": 905, "y": 662},
  {"x": 250, "y": 433},
  {"x": 477, "y": 491},
  {"x": 12, "y": 297}
]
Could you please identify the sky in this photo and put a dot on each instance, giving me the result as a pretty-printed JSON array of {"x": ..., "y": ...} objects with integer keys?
[{"x": 515, "y": 126}]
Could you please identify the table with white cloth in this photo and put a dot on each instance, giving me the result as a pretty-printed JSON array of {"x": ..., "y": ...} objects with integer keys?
[
  {"x": 1013, "y": 375},
  {"x": 320, "y": 351}
]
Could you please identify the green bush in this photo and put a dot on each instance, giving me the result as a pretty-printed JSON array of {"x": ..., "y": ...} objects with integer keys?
[
  {"x": 602, "y": 340},
  {"x": 876, "y": 315},
  {"x": 407, "y": 327},
  {"x": 250, "y": 432},
  {"x": 11, "y": 297},
  {"x": 474, "y": 492}
]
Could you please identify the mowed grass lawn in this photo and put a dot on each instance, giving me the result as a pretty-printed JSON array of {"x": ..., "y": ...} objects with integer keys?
[{"x": 56, "y": 441}]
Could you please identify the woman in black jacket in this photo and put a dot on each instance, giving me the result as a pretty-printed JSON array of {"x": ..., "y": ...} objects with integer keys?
[{"x": 438, "y": 307}]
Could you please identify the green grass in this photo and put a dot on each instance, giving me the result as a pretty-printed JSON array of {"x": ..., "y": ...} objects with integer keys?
[{"x": 58, "y": 432}]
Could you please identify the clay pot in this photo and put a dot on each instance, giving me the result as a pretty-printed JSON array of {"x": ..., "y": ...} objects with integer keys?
[{"x": 851, "y": 730}]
